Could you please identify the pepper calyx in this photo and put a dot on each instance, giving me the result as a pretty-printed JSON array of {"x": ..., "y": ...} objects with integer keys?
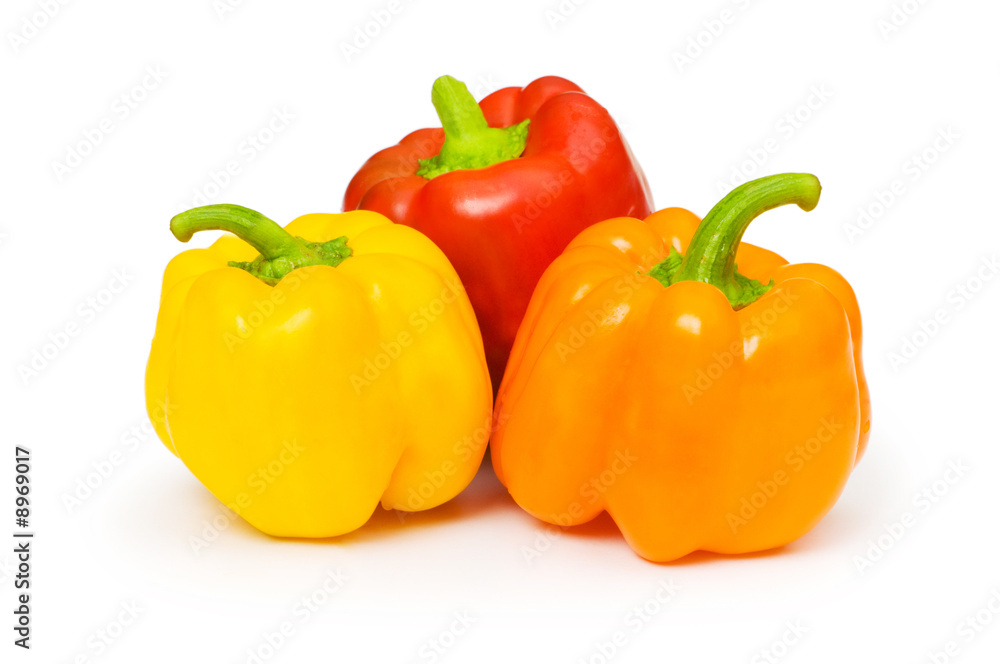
[{"x": 273, "y": 270}]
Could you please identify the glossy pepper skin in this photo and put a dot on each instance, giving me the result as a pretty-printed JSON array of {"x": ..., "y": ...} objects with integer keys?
[
  {"x": 304, "y": 386},
  {"x": 502, "y": 204},
  {"x": 701, "y": 409}
]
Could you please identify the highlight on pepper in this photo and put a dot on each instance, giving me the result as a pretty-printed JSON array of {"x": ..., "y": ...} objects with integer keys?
[
  {"x": 306, "y": 374},
  {"x": 711, "y": 391}
]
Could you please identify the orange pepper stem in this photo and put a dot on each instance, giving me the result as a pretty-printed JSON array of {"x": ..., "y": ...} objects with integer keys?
[
  {"x": 711, "y": 254},
  {"x": 280, "y": 251}
]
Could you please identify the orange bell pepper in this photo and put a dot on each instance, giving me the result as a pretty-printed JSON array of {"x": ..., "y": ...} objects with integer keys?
[{"x": 701, "y": 407}]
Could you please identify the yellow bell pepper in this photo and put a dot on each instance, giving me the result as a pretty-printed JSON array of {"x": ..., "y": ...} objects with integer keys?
[{"x": 307, "y": 384}]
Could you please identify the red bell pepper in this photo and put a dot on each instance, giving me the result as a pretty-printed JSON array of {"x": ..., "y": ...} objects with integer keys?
[{"x": 503, "y": 187}]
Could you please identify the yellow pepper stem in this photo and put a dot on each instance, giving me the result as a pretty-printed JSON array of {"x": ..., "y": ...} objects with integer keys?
[{"x": 280, "y": 251}]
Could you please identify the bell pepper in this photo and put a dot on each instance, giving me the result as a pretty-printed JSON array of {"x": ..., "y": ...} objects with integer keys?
[
  {"x": 503, "y": 187},
  {"x": 702, "y": 407},
  {"x": 306, "y": 383}
]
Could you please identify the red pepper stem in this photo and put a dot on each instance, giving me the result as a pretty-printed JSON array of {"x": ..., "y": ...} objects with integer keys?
[
  {"x": 469, "y": 140},
  {"x": 460, "y": 114}
]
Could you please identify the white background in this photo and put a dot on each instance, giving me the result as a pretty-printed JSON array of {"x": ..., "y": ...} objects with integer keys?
[{"x": 885, "y": 98}]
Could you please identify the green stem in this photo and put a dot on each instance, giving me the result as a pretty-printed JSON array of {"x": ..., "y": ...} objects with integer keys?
[
  {"x": 280, "y": 251},
  {"x": 469, "y": 141},
  {"x": 711, "y": 254},
  {"x": 267, "y": 237}
]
